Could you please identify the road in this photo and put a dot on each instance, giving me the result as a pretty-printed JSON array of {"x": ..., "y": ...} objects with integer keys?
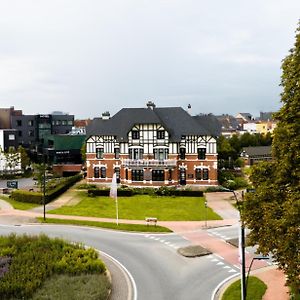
[{"x": 158, "y": 270}]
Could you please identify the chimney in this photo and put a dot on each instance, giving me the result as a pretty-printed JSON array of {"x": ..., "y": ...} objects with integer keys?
[
  {"x": 106, "y": 115},
  {"x": 150, "y": 105},
  {"x": 189, "y": 109}
]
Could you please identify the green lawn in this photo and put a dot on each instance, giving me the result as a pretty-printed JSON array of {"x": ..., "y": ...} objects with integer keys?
[
  {"x": 141, "y": 206},
  {"x": 121, "y": 226},
  {"x": 19, "y": 205},
  {"x": 255, "y": 290}
]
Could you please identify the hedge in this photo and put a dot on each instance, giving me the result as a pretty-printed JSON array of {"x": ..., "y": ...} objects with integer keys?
[
  {"x": 37, "y": 197},
  {"x": 163, "y": 191}
]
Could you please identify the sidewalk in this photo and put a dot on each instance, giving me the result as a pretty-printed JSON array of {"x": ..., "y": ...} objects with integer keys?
[{"x": 191, "y": 230}]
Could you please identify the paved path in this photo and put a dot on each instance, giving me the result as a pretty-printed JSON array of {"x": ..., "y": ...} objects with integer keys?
[{"x": 194, "y": 231}]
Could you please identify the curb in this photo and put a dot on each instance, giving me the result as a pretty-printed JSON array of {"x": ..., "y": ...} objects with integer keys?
[{"x": 218, "y": 291}]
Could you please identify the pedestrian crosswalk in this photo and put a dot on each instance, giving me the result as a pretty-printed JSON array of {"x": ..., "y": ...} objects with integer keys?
[
  {"x": 175, "y": 242},
  {"x": 172, "y": 241}
]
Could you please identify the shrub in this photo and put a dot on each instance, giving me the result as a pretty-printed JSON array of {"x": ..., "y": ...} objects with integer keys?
[
  {"x": 162, "y": 191},
  {"x": 57, "y": 189},
  {"x": 33, "y": 259},
  {"x": 27, "y": 197},
  {"x": 86, "y": 186}
]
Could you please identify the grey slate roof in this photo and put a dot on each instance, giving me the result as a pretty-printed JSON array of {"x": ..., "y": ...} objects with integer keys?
[
  {"x": 257, "y": 151},
  {"x": 228, "y": 123},
  {"x": 175, "y": 119}
]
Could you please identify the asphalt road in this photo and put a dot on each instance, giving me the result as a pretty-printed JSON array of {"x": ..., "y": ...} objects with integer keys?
[{"x": 158, "y": 270}]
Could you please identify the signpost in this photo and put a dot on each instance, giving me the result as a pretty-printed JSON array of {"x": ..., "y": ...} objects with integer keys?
[{"x": 12, "y": 184}]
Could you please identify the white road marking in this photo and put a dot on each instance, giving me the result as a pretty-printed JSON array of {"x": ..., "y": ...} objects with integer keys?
[
  {"x": 220, "y": 263},
  {"x": 232, "y": 271}
]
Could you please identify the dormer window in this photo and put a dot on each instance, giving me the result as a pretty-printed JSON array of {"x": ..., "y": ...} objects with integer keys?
[
  {"x": 135, "y": 134},
  {"x": 136, "y": 153},
  {"x": 182, "y": 153},
  {"x": 160, "y": 134},
  {"x": 99, "y": 153},
  {"x": 160, "y": 153},
  {"x": 117, "y": 153},
  {"x": 201, "y": 153}
]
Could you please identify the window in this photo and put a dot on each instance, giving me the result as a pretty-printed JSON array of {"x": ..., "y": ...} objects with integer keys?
[
  {"x": 64, "y": 122},
  {"x": 31, "y": 133},
  {"x": 201, "y": 153},
  {"x": 158, "y": 175},
  {"x": 96, "y": 172},
  {"x": 126, "y": 174},
  {"x": 117, "y": 153},
  {"x": 30, "y": 123},
  {"x": 99, "y": 153},
  {"x": 11, "y": 137},
  {"x": 205, "y": 174},
  {"x": 103, "y": 172},
  {"x": 161, "y": 153},
  {"x": 170, "y": 175},
  {"x": 20, "y": 133},
  {"x": 136, "y": 153},
  {"x": 137, "y": 175},
  {"x": 19, "y": 122},
  {"x": 182, "y": 153},
  {"x": 160, "y": 134},
  {"x": 135, "y": 134},
  {"x": 57, "y": 122},
  {"x": 198, "y": 174},
  {"x": 117, "y": 171},
  {"x": 70, "y": 122}
]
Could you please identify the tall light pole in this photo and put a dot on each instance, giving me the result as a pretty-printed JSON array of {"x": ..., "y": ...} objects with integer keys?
[
  {"x": 241, "y": 245},
  {"x": 44, "y": 186},
  {"x": 253, "y": 259}
]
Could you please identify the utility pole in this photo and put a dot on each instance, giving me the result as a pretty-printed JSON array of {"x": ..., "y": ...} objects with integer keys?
[
  {"x": 241, "y": 245},
  {"x": 44, "y": 186}
]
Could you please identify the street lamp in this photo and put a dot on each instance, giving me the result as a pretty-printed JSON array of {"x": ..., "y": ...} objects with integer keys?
[
  {"x": 44, "y": 187},
  {"x": 253, "y": 259},
  {"x": 205, "y": 203},
  {"x": 241, "y": 246}
]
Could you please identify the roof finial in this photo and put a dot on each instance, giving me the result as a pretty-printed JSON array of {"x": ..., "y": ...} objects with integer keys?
[{"x": 150, "y": 104}]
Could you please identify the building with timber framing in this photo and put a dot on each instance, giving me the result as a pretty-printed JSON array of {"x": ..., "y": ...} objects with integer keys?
[{"x": 153, "y": 146}]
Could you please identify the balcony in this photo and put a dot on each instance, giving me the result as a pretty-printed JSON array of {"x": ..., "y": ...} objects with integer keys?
[{"x": 149, "y": 163}]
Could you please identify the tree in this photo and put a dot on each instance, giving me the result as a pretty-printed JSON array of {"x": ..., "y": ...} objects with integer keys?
[
  {"x": 25, "y": 160},
  {"x": 12, "y": 159},
  {"x": 83, "y": 152},
  {"x": 272, "y": 212}
]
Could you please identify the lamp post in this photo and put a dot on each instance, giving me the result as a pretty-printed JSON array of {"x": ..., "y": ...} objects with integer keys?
[
  {"x": 44, "y": 187},
  {"x": 241, "y": 246},
  {"x": 205, "y": 203},
  {"x": 253, "y": 259}
]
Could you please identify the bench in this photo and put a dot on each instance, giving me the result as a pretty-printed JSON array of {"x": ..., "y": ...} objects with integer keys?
[{"x": 151, "y": 220}]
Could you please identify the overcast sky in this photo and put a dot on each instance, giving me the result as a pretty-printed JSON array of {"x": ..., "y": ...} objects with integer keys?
[{"x": 85, "y": 57}]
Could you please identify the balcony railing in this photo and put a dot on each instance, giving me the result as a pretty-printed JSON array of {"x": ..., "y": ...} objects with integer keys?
[{"x": 149, "y": 163}]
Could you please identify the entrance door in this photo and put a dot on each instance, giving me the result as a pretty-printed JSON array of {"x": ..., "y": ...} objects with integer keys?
[{"x": 182, "y": 177}]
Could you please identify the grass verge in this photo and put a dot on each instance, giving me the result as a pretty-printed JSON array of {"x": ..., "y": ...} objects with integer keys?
[
  {"x": 19, "y": 205},
  {"x": 139, "y": 207},
  {"x": 255, "y": 290},
  {"x": 121, "y": 226},
  {"x": 86, "y": 286}
]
